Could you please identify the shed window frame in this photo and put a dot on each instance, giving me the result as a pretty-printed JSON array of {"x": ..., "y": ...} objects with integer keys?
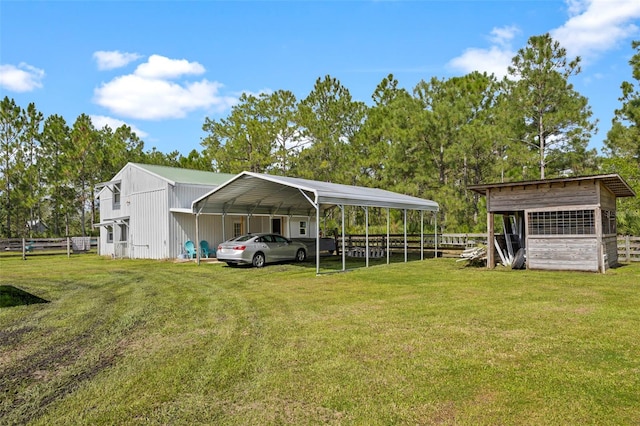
[
  {"x": 609, "y": 222},
  {"x": 561, "y": 222}
]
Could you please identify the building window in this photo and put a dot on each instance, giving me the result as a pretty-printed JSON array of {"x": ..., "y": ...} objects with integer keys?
[
  {"x": 109, "y": 234},
  {"x": 609, "y": 222},
  {"x": 573, "y": 222},
  {"x": 116, "y": 196},
  {"x": 237, "y": 229},
  {"x": 123, "y": 232},
  {"x": 303, "y": 228}
]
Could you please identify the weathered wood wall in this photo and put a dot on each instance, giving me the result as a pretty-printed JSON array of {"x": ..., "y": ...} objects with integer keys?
[
  {"x": 565, "y": 253},
  {"x": 543, "y": 196},
  {"x": 607, "y": 199}
]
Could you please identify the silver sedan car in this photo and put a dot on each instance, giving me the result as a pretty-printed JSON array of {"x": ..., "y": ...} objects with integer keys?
[{"x": 259, "y": 249}]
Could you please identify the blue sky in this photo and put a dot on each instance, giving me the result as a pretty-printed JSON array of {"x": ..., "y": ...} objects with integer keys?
[{"x": 163, "y": 66}]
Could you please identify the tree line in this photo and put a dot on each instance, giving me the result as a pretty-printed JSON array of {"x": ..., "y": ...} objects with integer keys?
[{"x": 431, "y": 142}]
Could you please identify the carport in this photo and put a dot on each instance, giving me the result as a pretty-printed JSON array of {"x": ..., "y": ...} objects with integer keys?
[{"x": 255, "y": 194}]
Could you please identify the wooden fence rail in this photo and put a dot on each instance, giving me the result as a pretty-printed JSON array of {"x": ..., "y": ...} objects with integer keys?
[
  {"x": 396, "y": 241},
  {"x": 43, "y": 245},
  {"x": 628, "y": 248}
]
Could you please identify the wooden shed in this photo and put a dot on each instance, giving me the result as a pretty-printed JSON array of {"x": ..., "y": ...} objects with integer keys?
[{"x": 560, "y": 224}]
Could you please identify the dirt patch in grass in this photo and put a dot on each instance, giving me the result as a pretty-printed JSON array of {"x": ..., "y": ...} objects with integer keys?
[
  {"x": 13, "y": 337},
  {"x": 51, "y": 373}
]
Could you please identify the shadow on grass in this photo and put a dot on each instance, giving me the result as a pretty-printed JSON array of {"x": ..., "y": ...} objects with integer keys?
[
  {"x": 13, "y": 296},
  {"x": 333, "y": 263}
]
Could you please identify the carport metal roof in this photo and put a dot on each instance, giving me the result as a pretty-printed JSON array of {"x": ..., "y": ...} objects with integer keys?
[{"x": 263, "y": 194}]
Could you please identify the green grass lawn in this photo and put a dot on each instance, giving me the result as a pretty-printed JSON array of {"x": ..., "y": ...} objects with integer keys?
[{"x": 428, "y": 342}]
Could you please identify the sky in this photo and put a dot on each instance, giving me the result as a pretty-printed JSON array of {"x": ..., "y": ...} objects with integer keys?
[{"x": 162, "y": 67}]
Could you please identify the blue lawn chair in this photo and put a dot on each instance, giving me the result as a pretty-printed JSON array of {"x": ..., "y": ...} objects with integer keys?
[
  {"x": 204, "y": 248},
  {"x": 191, "y": 249}
]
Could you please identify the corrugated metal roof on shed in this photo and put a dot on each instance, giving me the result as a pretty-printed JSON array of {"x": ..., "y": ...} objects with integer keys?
[{"x": 613, "y": 182}]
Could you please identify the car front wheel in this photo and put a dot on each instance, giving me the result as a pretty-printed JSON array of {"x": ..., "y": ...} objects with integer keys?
[
  {"x": 301, "y": 255},
  {"x": 258, "y": 260}
]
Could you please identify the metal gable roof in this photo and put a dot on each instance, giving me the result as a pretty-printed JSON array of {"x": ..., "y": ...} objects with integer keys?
[
  {"x": 185, "y": 176},
  {"x": 263, "y": 194}
]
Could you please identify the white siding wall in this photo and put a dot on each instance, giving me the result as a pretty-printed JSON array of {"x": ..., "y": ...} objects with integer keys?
[
  {"x": 149, "y": 236},
  {"x": 290, "y": 226},
  {"x": 182, "y": 195},
  {"x": 143, "y": 198},
  {"x": 295, "y": 226},
  {"x": 182, "y": 226}
]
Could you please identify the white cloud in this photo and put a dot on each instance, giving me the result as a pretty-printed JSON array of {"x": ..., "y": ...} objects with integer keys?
[
  {"x": 503, "y": 36},
  {"x": 596, "y": 26},
  {"x": 151, "y": 94},
  {"x": 162, "y": 67},
  {"x": 99, "y": 121},
  {"x": 21, "y": 78},
  {"x": 108, "y": 60},
  {"x": 493, "y": 60}
]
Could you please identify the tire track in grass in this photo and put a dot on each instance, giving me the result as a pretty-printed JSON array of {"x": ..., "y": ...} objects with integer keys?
[
  {"x": 200, "y": 341},
  {"x": 82, "y": 330}
]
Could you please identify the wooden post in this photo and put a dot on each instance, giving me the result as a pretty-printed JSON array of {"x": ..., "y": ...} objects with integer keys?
[
  {"x": 491, "y": 263},
  {"x": 627, "y": 247},
  {"x": 600, "y": 251},
  {"x": 435, "y": 235},
  {"x": 24, "y": 249},
  {"x": 69, "y": 247}
]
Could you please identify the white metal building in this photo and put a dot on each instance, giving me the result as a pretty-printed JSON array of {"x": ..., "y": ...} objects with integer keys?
[
  {"x": 149, "y": 212},
  {"x": 137, "y": 210}
]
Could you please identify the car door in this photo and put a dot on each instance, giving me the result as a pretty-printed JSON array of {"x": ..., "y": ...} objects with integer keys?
[
  {"x": 266, "y": 244},
  {"x": 283, "y": 248}
]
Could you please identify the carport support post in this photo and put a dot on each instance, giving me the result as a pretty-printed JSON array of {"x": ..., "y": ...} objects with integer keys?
[
  {"x": 421, "y": 234},
  {"x": 366, "y": 236},
  {"x": 224, "y": 236},
  {"x": 344, "y": 255},
  {"x": 405, "y": 235},
  {"x": 197, "y": 242},
  {"x": 388, "y": 230},
  {"x": 318, "y": 239}
]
